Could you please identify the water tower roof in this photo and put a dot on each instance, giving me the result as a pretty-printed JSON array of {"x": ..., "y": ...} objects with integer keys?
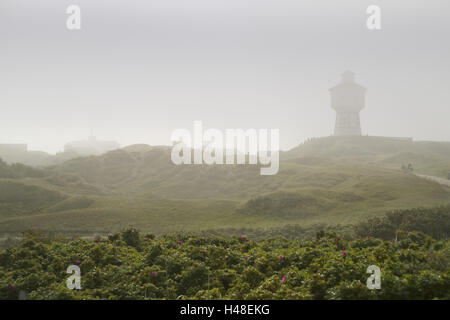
[
  {"x": 348, "y": 80},
  {"x": 348, "y": 76}
]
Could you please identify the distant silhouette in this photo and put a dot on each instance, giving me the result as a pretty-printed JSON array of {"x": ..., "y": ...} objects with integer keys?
[
  {"x": 407, "y": 169},
  {"x": 347, "y": 98}
]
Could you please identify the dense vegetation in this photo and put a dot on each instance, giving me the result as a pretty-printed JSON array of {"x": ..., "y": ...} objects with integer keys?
[
  {"x": 331, "y": 265},
  {"x": 432, "y": 221},
  {"x": 130, "y": 266}
]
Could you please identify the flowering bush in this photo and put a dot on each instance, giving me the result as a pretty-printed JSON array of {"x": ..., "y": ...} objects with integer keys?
[{"x": 130, "y": 266}]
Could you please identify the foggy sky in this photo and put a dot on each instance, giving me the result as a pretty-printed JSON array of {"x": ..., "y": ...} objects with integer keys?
[{"x": 137, "y": 70}]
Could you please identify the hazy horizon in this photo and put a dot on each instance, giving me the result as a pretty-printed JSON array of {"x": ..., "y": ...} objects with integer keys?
[{"x": 138, "y": 70}]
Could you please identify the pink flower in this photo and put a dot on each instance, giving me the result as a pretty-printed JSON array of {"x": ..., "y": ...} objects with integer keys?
[
  {"x": 283, "y": 279},
  {"x": 146, "y": 238},
  {"x": 281, "y": 257},
  {"x": 344, "y": 253},
  {"x": 11, "y": 286},
  {"x": 214, "y": 279},
  {"x": 180, "y": 242},
  {"x": 154, "y": 274},
  {"x": 78, "y": 262}
]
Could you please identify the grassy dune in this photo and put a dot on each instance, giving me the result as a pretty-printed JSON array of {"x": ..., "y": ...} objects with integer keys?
[{"x": 329, "y": 180}]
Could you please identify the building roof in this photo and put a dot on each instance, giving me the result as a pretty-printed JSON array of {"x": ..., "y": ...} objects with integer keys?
[{"x": 348, "y": 81}]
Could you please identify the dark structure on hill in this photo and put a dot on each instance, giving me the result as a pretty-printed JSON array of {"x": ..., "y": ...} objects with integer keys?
[{"x": 347, "y": 98}]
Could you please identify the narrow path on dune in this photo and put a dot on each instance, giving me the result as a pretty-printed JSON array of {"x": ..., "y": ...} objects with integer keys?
[{"x": 435, "y": 179}]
